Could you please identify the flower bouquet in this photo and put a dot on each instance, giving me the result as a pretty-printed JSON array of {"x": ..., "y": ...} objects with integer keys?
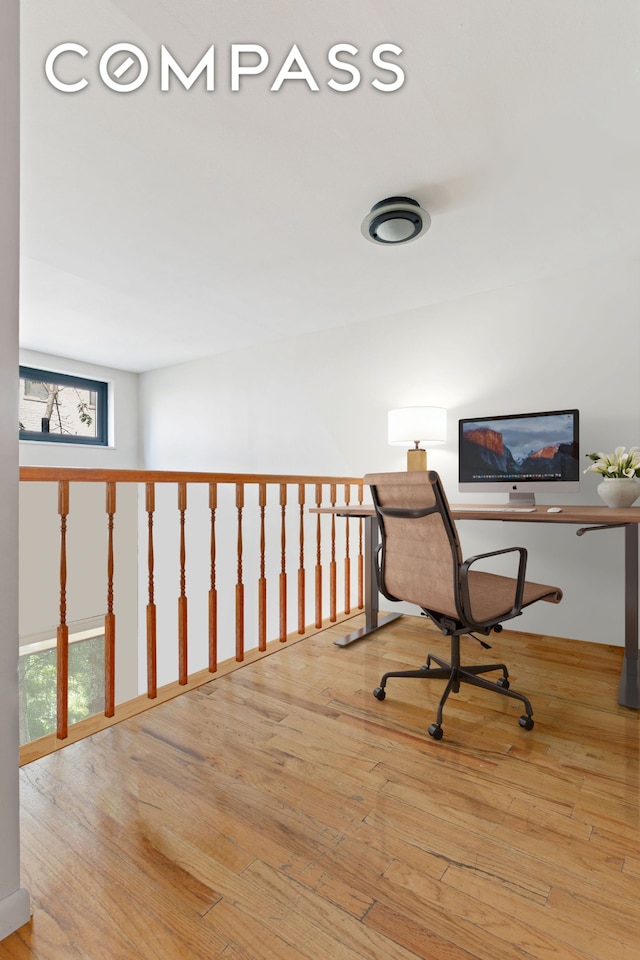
[
  {"x": 622, "y": 467},
  {"x": 616, "y": 464}
]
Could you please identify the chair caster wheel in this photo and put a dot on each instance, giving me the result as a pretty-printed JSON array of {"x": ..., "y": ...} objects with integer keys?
[
  {"x": 503, "y": 682},
  {"x": 526, "y": 722},
  {"x": 435, "y": 731},
  {"x": 379, "y": 693}
]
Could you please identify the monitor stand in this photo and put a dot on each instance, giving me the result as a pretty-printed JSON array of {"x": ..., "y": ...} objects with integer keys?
[{"x": 517, "y": 499}]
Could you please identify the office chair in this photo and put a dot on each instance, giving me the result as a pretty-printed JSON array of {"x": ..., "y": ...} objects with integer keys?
[{"x": 420, "y": 561}]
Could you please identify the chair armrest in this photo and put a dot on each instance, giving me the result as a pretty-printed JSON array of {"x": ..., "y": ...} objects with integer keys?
[{"x": 520, "y": 579}]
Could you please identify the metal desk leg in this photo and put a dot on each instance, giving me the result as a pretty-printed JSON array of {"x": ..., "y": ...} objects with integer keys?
[
  {"x": 372, "y": 619},
  {"x": 629, "y": 690}
]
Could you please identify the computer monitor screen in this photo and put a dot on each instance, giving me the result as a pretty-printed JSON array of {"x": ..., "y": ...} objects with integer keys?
[{"x": 520, "y": 454}]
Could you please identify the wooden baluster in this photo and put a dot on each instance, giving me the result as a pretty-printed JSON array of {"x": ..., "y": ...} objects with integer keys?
[
  {"x": 213, "y": 593},
  {"x": 347, "y": 557},
  {"x": 318, "y": 558},
  {"x": 283, "y": 563},
  {"x": 332, "y": 563},
  {"x": 152, "y": 669},
  {"x": 301, "y": 574},
  {"x": 262, "y": 581},
  {"x": 63, "y": 629},
  {"x": 239, "y": 584},
  {"x": 182, "y": 599},
  {"x": 110, "y": 619},
  {"x": 360, "y": 552}
]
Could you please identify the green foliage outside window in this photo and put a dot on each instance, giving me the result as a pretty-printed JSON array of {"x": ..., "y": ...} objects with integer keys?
[{"x": 38, "y": 696}]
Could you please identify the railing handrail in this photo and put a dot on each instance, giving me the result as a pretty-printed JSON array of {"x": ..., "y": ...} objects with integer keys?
[
  {"x": 85, "y": 474},
  {"x": 276, "y": 524}
]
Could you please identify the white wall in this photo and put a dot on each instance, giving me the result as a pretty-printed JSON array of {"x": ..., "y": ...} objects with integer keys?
[
  {"x": 123, "y": 449},
  {"x": 318, "y": 404},
  {"x": 14, "y": 900}
]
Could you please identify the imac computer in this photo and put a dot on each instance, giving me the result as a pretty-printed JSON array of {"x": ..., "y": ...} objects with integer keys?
[{"x": 520, "y": 454}]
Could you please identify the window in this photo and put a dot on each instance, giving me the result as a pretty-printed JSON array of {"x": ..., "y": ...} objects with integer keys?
[
  {"x": 60, "y": 408},
  {"x": 35, "y": 390},
  {"x": 37, "y": 677}
]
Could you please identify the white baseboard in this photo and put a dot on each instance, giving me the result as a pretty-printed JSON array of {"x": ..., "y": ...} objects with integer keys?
[{"x": 15, "y": 910}]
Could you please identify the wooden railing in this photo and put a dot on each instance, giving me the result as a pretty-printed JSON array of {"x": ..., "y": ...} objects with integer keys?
[{"x": 273, "y": 509}]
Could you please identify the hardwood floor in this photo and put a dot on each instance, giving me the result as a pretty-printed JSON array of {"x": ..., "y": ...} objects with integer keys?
[{"x": 282, "y": 812}]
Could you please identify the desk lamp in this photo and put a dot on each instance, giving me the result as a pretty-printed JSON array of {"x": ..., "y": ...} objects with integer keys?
[{"x": 415, "y": 425}]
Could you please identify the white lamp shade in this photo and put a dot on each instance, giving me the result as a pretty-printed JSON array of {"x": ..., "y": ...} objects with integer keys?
[{"x": 411, "y": 425}]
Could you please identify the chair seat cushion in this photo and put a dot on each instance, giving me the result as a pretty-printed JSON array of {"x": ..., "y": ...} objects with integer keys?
[{"x": 492, "y": 595}]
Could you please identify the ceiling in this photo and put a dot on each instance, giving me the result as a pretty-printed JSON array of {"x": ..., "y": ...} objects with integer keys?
[{"x": 162, "y": 226}]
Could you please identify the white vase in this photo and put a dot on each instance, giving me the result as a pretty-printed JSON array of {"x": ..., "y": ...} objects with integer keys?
[{"x": 619, "y": 491}]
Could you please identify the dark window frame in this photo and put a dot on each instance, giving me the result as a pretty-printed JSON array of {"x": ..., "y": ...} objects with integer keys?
[{"x": 101, "y": 390}]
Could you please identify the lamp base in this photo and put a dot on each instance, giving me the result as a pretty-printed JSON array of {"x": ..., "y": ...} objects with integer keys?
[{"x": 416, "y": 459}]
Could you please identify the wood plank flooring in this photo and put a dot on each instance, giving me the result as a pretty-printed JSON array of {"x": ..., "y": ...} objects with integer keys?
[{"x": 282, "y": 812}]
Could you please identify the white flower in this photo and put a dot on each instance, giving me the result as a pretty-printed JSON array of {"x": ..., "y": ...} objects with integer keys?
[{"x": 620, "y": 463}]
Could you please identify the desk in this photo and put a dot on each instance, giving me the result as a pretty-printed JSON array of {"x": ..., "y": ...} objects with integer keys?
[
  {"x": 586, "y": 518},
  {"x": 373, "y": 620}
]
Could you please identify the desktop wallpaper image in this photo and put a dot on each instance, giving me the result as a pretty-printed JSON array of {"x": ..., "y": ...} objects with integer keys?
[{"x": 519, "y": 448}]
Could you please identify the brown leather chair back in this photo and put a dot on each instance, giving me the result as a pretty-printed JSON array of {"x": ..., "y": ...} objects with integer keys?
[{"x": 421, "y": 552}]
